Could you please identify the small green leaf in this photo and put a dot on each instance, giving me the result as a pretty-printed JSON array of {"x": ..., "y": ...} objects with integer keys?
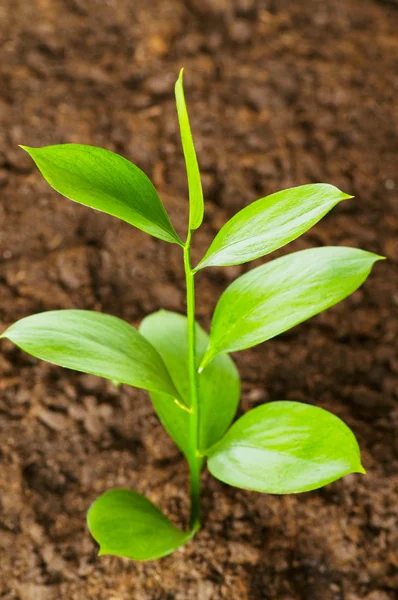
[
  {"x": 95, "y": 343},
  {"x": 219, "y": 386},
  {"x": 270, "y": 223},
  {"x": 107, "y": 182},
  {"x": 196, "y": 207},
  {"x": 125, "y": 523},
  {"x": 284, "y": 448},
  {"x": 280, "y": 294}
]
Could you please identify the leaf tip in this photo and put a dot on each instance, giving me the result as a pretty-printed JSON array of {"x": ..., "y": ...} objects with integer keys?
[
  {"x": 372, "y": 258},
  {"x": 361, "y": 469},
  {"x": 102, "y": 551},
  {"x": 376, "y": 257},
  {"x": 4, "y": 334}
]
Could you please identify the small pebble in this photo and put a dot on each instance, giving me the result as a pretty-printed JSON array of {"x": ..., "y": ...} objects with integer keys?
[{"x": 54, "y": 420}]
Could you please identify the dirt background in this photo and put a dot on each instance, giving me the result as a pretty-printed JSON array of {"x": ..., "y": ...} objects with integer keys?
[{"x": 281, "y": 93}]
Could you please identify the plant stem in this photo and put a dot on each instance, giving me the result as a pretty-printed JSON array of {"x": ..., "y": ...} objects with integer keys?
[{"x": 194, "y": 459}]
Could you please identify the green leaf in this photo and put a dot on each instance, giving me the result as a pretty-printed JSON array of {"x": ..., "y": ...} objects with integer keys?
[
  {"x": 95, "y": 343},
  {"x": 125, "y": 523},
  {"x": 284, "y": 448},
  {"x": 107, "y": 182},
  {"x": 196, "y": 207},
  {"x": 219, "y": 386},
  {"x": 270, "y": 223},
  {"x": 280, "y": 294}
]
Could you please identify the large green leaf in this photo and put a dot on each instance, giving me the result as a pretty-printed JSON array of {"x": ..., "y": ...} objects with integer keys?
[
  {"x": 125, "y": 523},
  {"x": 270, "y": 223},
  {"x": 106, "y": 181},
  {"x": 280, "y": 294},
  {"x": 95, "y": 343},
  {"x": 284, "y": 448},
  {"x": 191, "y": 162},
  {"x": 219, "y": 385}
]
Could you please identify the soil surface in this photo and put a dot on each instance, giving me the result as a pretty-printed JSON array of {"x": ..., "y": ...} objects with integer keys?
[{"x": 280, "y": 93}]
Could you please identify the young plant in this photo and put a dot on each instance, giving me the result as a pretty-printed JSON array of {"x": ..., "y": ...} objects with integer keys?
[{"x": 281, "y": 447}]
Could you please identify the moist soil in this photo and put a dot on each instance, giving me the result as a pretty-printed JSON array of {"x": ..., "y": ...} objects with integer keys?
[{"x": 280, "y": 93}]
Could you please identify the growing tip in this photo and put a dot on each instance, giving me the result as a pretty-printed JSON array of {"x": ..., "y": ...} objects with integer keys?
[
  {"x": 179, "y": 83},
  {"x": 179, "y": 89}
]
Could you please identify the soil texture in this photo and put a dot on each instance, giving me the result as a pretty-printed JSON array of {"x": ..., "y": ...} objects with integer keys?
[{"x": 280, "y": 93}]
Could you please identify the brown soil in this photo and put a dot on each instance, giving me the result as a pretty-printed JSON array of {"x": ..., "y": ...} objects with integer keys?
[{"x": 281, "y": 93}]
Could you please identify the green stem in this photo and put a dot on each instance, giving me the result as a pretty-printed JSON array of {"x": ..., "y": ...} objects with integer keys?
[{"x": 194, "y": 460}]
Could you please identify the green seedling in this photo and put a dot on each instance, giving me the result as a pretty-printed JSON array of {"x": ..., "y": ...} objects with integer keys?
[{"x": 281, "y": 447}]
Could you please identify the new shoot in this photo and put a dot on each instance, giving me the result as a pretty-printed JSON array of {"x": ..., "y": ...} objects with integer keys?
[{"x": 281, "y": 447}]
